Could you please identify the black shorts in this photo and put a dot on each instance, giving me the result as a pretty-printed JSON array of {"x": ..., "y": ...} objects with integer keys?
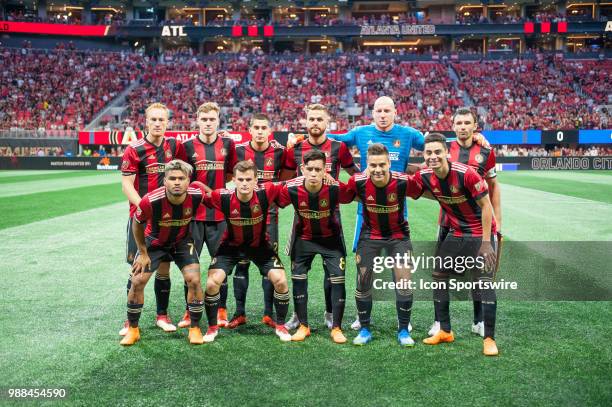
[
  {"x": 209, "y": 233},
  {"x": 182, "y": 254},
  {"x": 264, "y": 257},
  {"x": 368, "y": 249},
  {"x": 458, "y": 255},
  {"x": 292, "y": 236},
  {"x": 330, "y": 249},
  {"x": 130, "y": 243}
]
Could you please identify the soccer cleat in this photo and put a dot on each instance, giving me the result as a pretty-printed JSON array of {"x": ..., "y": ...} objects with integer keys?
[
  {"x": 356, "y": 325},
  {"x": 328, "y": 317},
  {"x": 439, "y": 337},
  {"x": 211, "y": 333},
  {"x": 267, "y": 320},
  {"x": 478, "y": 329},
  {"x": 185, "y": 322},
  {"x": 131, "y": 337},
  {"x": 337, "y": 335},
  {"x": 363, "y": 338},
  {"x": 301, "y": 334},
  {"x": 195, "y": 336},
  {"x": 404, "y": 339},
  {"x": 222, "y": 321},
  {"x": 489, "y": 347},
  {"x": 124, "y": 330},
  {"x": 293, "y": 323},
  {"x": 163, "y": 322},
  {"x": 281, "y": 332},
  {"x": 237, "y": 321},
  {"x": 435, "y": 327}
]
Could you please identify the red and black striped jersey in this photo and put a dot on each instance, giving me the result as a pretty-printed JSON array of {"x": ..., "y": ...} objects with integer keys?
[
  {"x": 480, "y": 158},
  {"x": 246, "y": 221},
  {"x": 336, "y": 155},
  {"x": 316, "y": 213},
  {"x": 211, "y": 163},
  {"x": 269, "y": 162},
  {"x": 146, "y": 161},
  {"x": 167, "y": 224},
  {"x": 383, "y": 207},
  {"x": 457, "y": 195}
]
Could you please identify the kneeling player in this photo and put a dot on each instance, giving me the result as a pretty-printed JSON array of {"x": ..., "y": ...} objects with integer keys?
[
  {"x": 463, "y": 196},
  {"x": 382, "y": 194},
  {"x": 245, "y": 210},
  {"x": 317, "y": 231},
  {"x": 167, "y": 212}
]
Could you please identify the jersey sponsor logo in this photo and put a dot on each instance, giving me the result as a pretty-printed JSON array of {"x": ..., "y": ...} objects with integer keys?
[
  {"x": 479, "y": 158},
  {"x": 397, "y": 143},
  {"x": 174, "y": 222},
  {"x": 324, "y": 202},
  {"x": 393, "y": 155},
  {"x": 210, "y": 165},
  {"x": 392, "y": 197},
  {"x": 265, "y": 174},
  {"x": 246, "y": 221},
  {"x": 155, "y": 168},
  {"x": 307, "y": 214},
  {"x": 452, "y": 200},
  {"x": 382, "y": 208}
]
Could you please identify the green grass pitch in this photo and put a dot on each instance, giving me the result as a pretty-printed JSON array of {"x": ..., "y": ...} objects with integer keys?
[{"x": 63, "y": 302}]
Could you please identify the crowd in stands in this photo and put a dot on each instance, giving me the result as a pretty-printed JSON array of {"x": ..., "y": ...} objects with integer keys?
[
  {"x": 529, "y": 95},
  {"x": 60, "y": 89},
  {"x": 66, "y": 18}
]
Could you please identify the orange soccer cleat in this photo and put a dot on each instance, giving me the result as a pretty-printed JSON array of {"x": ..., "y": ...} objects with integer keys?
[
  {"x": 337, "y": 335},
  {"x": 302, "y": 333},
  {"x": 222, "y": 321},
  {"x": 440, "y": 337},
  {"x": 195, "y": 336},
  {"x": 131, "y": 337},
  {"x": 489, "y": 347}
]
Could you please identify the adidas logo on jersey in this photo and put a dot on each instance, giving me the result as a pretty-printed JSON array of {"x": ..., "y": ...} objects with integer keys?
[
  {"x": 195, "y": 155},
  {"x": 167, "y": 215},
  {"x": 436, "y": 191},
  {"x": 235, "y": 212},
  {"x": 370, "y": 198},
  {"x": 303, "y": 203}
]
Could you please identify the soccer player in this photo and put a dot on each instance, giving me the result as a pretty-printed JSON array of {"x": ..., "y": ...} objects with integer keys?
[
  {"x": 482, "y": 159},
  {"x": 167, "y": 212},
  {"x": 337, "y": 156},
  {"x": 318, "y": 231},
  {"x": 268, "y": 156},
  {"x": 463, "y": 196},
  {"x": 213, "y": 158},
  {"x": 382, "y": 193},
  {"x": 245, "y": 210},
  {"x": 142, "y": 168}
]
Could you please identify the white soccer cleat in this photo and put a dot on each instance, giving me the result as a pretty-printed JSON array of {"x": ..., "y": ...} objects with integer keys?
[
  {"x": 478, "y": 329},
  {"x": 435, "y": 327},
  {"x": 163, "y": 322},
  {"x": 293, "y": 323},
  {"x": 356, "y": 325},
  {"x": 329, "y": 319},
  {"x": 282, "y": 333},
  {"x": 126, "y": 327},
  {"x": 211, "y": 334}
]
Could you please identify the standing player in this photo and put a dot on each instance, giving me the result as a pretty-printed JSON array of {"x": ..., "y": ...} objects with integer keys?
[
  {"x": 268, "y": 156},
  {"x": 142, "y": 169},
  {"x": 245, "y": 210},
  {"x": 337, "y": 156},
  {"x": 482, "y": 159},
  {"x": 213, "y": 158},
  {"x": 318, "y": 231},
  {"x": 382, "y": 193},
  {"x": 167, "y": 212},
  {"x": 463, "y": 196}
]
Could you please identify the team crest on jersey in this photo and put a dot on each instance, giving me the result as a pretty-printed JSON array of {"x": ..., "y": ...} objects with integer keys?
[
  {"x": 324, "y": 203},
  {"x": 479, "y": 158},
  {"x": 168, "y": 154},
  {"x": 125, "y": 165},
  {"x": 478, "y": 186},
  {"x": 269, "y": 162},
  {"x": 397, "y": 143},
  {"x": 370, "y": 198},
  {"x": 392, "y": 197},
  {"x": 167, "y": 215},
  {"x": 454, "y": 189},
  {"x": 235, "y": 212},
  {"x": 187, "y": 212},
  {"x": 223, "y": 152},
  {"x": 256, "y": 208}
]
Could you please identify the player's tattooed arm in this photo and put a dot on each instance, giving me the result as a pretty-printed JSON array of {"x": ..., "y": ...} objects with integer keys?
[
  {"x": 142, "y": 261},
  {"x": 127, "y": 186}
]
